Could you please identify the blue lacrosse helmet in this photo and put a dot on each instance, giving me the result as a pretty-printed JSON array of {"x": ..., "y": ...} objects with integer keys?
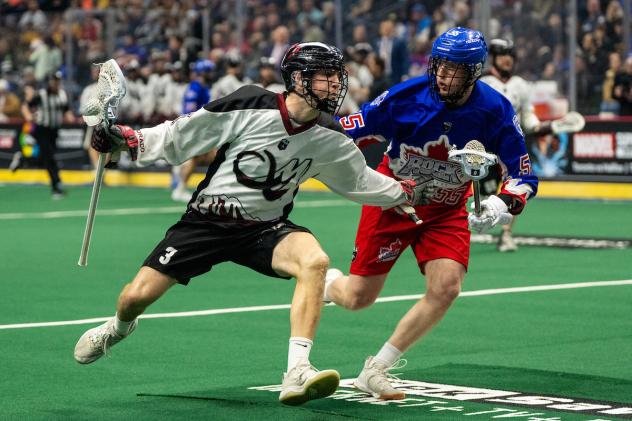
[
  {"x": 203, "y": 66},
  {"x": 461, "y": 46}
]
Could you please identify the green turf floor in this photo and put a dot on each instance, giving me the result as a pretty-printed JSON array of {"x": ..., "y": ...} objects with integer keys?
[{"x": 571, "y": 344}]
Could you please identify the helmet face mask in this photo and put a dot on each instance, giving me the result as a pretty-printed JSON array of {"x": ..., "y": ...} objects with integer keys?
[
  {"x": 456, "y": 63},
  {"x": 451, "y": 80},
  {"x": 315, "y": 71},
  {"x": 503, "y": 55}
]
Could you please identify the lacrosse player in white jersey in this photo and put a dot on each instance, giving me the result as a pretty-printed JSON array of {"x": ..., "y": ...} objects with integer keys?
[
  {"x": 267, "y": 144},
  {"x": 517, "y": 90}
]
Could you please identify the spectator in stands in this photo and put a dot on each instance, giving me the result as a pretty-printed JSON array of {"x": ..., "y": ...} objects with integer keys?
[
  {"x": 157, "y": 82},
  {"x": 420, "y": 57},
  {"x": 614, "y": 24},
  {"x": 311, "y": 12},
  {"x": 462, "y": 15},
  {"x": 354, "y": 92},
  {"x": 419, "y": 22},
  {"x": 609, "y": 105},
  {"x": 33, "y": 17},
  {"x": 171, "y": 107},
  {"x": 232, "y": 80},
  {"x": 329, "y": 21},
  {"x": 176, "y": 51},
  {"x": 358, "y": 61},
  {"x": 393, "y": 51},
  {"x": 585, "y": 88},
  {"x": 45, "y": 57},
  {"x": 131, "y": 106},
  {"x": 380, "y": 81},
  {"x": 312, "y": 32},
  {"x": 9, "y": 103},
  {"x": 280, "y": 38},
  {"x": 439, "y": 24},
  {"x": 359, "y": 34},
  {"x": 622, "y": 91},
  {"x": 593, "y": 19}
]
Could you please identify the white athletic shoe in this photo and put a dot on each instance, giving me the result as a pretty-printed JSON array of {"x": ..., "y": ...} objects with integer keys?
[
  {"x": 95, "y": 342},
  {"x": 181, "y": 195},
  {"x": 506, "y": 242},
  {"x": 376, "y": 380},
  {"x": 332, "y": 275},
  {"x": 304, "y": 383}
]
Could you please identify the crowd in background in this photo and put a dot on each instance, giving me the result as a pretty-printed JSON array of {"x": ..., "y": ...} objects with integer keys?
[{"x": 160, "y": 44}]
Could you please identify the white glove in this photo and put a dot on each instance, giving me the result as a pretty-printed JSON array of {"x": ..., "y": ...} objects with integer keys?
[{"x": 493, "y": 212}]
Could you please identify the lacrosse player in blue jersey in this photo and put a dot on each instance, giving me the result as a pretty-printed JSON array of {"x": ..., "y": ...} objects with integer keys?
[{"x": 422, "y": 119}]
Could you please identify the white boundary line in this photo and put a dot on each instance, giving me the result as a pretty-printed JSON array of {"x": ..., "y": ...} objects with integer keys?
[
  {"x": 144, "y": 211},
  {"x": 287, "y": 306}
]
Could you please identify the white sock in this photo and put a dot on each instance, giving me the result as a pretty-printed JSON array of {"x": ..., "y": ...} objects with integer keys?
[
  {"x": 388, "y": 354},
  {"x": 299, "y": 349},
  {"x": 330, "y": 277},
  {"x": 326, "y": 297},
  {"x": 121, "y": 327}
]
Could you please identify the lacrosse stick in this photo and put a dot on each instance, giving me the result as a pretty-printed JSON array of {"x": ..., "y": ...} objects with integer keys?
[
  {"x": 571, "y": 123},
  {"x": 475, "y": 163},
  {"x": 410, "y": 212},
  {"x": 101, "y": 109}
]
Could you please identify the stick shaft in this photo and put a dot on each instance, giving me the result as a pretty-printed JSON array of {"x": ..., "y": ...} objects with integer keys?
[
  {"x": 96, "y": 188},
  {"x": 411, "y": 213},
  {"x": 477, "y": 197}
]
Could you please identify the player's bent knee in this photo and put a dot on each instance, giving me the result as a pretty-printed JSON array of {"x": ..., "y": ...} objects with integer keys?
[
  {"x": 135, "y": 295},
  {"x": 446, "y": 291},
  {"x": 316, "y": 262}
]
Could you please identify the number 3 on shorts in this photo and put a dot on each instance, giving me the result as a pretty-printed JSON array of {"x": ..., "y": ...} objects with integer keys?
[{"x": 170, "y": 251}]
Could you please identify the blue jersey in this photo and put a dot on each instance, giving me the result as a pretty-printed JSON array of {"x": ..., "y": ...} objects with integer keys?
[
  {"x": 195, "y": 97},
  {"x": 420, "y": 131}
]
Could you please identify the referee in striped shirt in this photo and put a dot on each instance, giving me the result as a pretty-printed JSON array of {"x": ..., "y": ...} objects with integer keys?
[{"x": 47, "y": 109}]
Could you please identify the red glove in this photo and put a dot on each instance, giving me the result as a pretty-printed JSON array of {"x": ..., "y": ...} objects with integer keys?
[{"x": 114, "y": 139}]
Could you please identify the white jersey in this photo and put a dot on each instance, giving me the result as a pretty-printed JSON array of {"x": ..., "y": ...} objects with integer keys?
[
  {"x": 262, "y": 158},
  {"x": 517, "y": 91},
  {"x": 226, "y": 85}
]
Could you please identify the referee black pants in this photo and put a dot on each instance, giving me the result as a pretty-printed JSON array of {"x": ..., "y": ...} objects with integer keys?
[{"x": 46, "y": 138}]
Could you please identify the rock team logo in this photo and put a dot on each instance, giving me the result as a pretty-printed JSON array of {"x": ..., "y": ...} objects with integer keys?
[
  {"x": 428, "y": 162},
  {"x": 274, "y": 183}
]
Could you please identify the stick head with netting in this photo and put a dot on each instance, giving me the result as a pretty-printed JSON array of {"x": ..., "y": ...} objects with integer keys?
[
  {"x": 474, "y": 161},
  {"x": 111, "y": 87},
  {"x": 101, "y": 109}
]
